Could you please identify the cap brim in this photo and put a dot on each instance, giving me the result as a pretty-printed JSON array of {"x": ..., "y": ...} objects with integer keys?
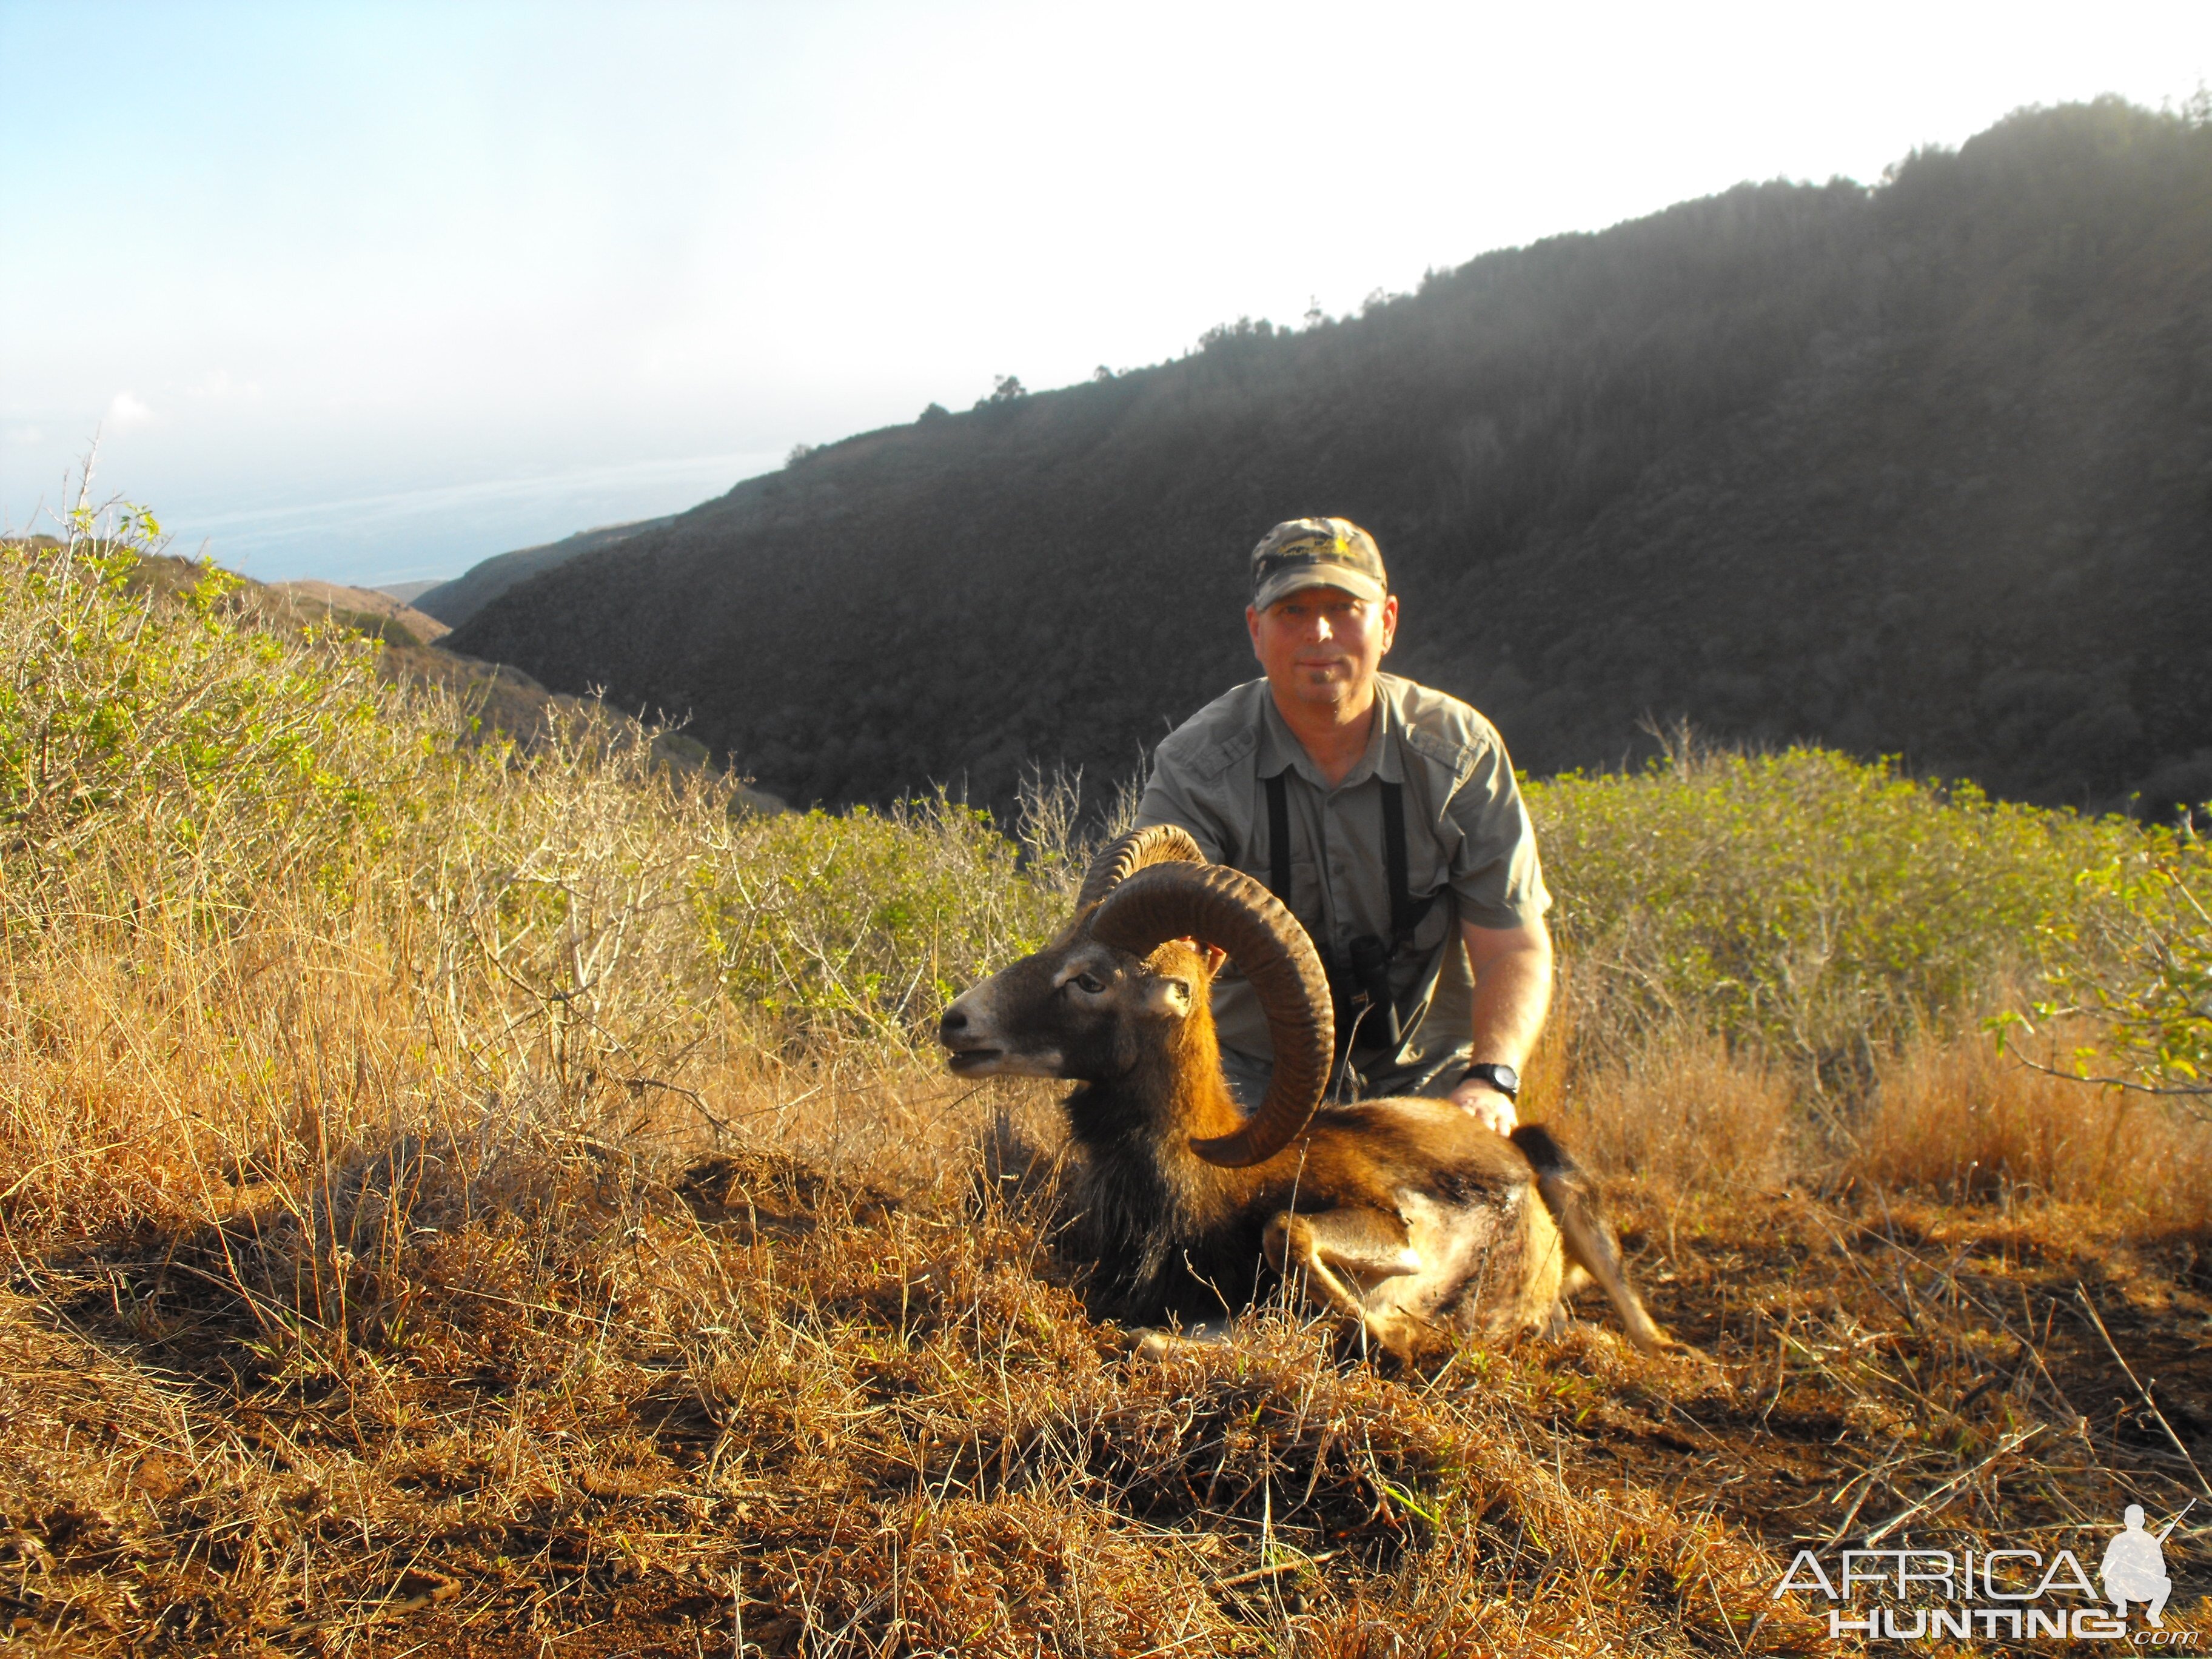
[{"x": 1284, "y": 583}]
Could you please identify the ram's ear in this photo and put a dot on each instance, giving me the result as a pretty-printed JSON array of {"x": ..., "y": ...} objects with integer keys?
[
  {"x": 1213, "y": 955},
  {"x": 1164, "y": 996}
]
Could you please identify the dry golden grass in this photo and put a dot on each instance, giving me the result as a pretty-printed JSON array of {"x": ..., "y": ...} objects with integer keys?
[
  {"x": 315, "y": 1351},
  {"x": 1961, "y": 1120},
  {"x": 1686, "y": 1116},
  {"x": 309, "y": 1350},
  {"x": 461, "y": 1202}
]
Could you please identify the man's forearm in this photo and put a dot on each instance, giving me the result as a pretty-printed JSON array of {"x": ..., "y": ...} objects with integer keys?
[{"x": 1512, "y": 995}]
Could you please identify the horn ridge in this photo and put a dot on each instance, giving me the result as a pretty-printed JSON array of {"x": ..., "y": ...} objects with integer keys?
[
  {"x": 1132, "y": 851},
  {"x": 1226, "y": 908}
]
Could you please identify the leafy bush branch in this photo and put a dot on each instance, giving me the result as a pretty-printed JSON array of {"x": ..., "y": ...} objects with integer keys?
[{"x": 2136, "y": 953}]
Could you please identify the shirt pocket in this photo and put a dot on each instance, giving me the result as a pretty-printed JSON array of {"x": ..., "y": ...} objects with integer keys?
[{"x": 1428, "y": 871}]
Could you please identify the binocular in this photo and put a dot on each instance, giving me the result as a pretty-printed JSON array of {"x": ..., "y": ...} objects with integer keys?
[{"x": 1359, "y": 991}]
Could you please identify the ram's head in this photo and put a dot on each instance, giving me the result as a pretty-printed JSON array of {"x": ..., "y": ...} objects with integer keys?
[{"x": 1129, "y": 977}]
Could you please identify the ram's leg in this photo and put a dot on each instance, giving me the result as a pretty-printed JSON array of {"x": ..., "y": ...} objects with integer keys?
[
  {"x": 1572, "y": 1199},
  {"x": 1361, "y": 1245}
]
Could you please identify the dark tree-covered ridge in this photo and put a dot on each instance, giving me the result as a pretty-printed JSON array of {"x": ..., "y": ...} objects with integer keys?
[{"x": 1925, "y": 469}]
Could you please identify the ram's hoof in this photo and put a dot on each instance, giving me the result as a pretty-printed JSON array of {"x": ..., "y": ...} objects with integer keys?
[
  {"x": 1179, "y": 1345},
  {"x": 1159, "y": 1345}
]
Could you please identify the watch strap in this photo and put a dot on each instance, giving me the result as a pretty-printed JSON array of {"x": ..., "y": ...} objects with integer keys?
[{"x": 1503, "y": 1079}]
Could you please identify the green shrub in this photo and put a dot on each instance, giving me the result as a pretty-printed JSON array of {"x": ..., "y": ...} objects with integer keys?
[
  {"x": 173, "y": 758},
  {"x": 233, "y": 752},
  {"x": 1804, "y": 901},
  {"x": 2136, "y": 952},
  {"x": 869, "y": 921}
]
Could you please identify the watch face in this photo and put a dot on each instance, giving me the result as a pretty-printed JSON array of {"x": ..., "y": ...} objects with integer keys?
[{"x": 1506, "y": 1077}]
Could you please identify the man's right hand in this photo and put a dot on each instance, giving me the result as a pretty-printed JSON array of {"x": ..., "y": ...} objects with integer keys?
[{"x": 1488, "y": 1105}]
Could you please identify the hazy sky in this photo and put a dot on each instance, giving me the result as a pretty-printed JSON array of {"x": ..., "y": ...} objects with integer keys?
[{"x": 372, "y": 291}]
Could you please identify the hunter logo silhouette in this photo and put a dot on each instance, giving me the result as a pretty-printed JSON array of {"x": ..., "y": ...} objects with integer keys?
[{"x": 2134, "y": 1567}]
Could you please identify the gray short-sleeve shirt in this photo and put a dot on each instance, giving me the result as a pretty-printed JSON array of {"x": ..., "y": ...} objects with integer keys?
[{"x": 1469, "y": 842}]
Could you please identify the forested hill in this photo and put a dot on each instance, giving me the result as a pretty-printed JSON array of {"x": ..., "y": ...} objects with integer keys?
[
  {"x": 1925, "y": 469},
  {"x": 454, "y": 602}
]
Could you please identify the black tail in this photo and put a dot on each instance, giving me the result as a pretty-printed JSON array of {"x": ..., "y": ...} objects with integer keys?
[
  {"x": 1544, "y": 1155},
  {"x": 1572, "y": 1198}
]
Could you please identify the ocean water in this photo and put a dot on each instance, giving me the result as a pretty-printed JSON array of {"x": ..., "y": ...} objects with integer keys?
[{"x": 437, "y": 533}]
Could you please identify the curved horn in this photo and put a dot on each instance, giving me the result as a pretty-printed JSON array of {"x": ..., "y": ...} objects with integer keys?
[
  {"x": 1126, "y": 855},
  {"x": 1226, "y": 908}
]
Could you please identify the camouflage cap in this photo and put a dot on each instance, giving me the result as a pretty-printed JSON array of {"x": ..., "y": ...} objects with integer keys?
[{"x": 1316, "y": 553}]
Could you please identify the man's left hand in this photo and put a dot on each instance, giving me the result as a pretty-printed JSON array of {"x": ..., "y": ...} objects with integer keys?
[{"x": 1489, "y": 1106}]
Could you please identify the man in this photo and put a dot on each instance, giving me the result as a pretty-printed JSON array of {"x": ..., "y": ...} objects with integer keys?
[{"x": 1385, "y": 815}]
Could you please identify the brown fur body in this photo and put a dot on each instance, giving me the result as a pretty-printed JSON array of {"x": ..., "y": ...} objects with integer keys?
[{"x": 1407, "y": 1219}]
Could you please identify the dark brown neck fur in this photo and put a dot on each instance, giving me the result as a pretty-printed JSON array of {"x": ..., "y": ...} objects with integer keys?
[{"x": 1146, "y": 1190}]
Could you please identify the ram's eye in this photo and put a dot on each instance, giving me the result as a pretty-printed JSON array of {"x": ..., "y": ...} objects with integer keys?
[{"x": 1091, "y": 982}]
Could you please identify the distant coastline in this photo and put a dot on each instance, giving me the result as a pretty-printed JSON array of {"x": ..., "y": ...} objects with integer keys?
[{"x": 438, "y": 531}]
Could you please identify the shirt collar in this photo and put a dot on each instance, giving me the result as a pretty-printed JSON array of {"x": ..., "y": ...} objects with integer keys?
[{"x": 1280, "y": 750}]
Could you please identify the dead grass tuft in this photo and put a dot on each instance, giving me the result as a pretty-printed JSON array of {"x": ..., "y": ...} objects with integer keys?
[
  {"x": 1961, "y": 1120},
  {"x": 1687, "y": 1116}
]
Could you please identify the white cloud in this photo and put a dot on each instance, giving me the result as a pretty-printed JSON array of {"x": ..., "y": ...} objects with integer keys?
[{"x": 125, "y": 411}]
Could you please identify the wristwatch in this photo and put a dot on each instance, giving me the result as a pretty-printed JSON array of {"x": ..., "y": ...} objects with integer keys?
[{"x": 1502, "y": 1077}]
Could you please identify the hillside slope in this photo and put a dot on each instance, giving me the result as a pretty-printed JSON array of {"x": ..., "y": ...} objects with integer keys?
[
  {"x": 1922, "y": 469},
  {"x": 454, "y": 602},
  {"x": 385, "y": 608}
]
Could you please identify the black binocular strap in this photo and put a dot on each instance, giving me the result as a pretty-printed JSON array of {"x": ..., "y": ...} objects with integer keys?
[
  {"x": 1405, "y": 915},
  {"x": 1279, "y": 838}
]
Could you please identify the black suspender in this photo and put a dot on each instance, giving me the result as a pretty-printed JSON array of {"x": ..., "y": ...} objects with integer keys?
[
  {"x": 1279, "y": 838},
  {"x": 1405, "y": 914}
]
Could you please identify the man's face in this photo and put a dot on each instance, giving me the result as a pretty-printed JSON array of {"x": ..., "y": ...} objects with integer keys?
[{"x": 1320, "y": 645}]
